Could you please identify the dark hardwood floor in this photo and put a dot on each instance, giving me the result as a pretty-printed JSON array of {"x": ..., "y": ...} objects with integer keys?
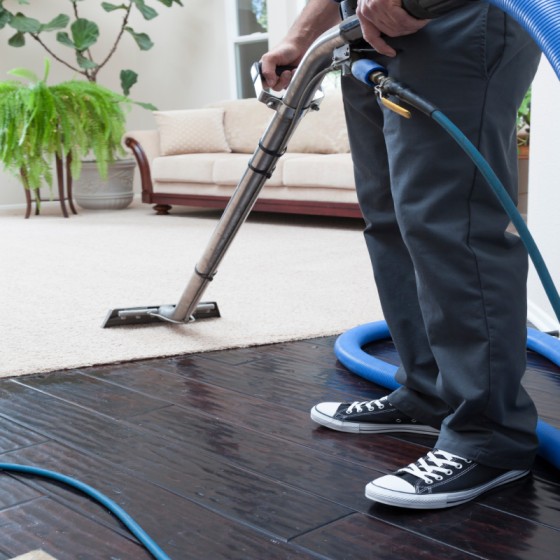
[{"x": 215, "y": 457}]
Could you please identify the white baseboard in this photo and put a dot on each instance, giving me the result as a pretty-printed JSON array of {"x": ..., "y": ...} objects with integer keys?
[
  {"x": 542, "y": 320},
  {"x": 13, "y": 206},
  {"x": 23, "y": 205}
]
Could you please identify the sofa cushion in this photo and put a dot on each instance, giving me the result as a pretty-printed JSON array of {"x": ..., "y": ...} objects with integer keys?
[
  {"x": 328, "y": 171},
  {"x": 319, "y": 132},
  {"x": 323, "y": 131},
  {"x": 245, "y": 121},
  {"x": 191, "y": 131},
  {"x": 228, "y": 171},
  {"x": 186, "y": 168}
]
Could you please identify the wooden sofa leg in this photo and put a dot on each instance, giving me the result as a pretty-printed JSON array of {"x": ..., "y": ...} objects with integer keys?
[{"x": 162, "y": 209}]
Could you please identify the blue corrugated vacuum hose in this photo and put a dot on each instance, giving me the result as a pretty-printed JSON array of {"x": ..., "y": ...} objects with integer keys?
[
  {"x": 541, "y": 18},
  {"x": 349, "y": 350}
]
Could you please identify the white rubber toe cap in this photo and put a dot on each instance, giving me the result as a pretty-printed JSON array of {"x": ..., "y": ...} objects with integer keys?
[
  {"x": 323, "y": 414},
  {"x": 327, "y": 408},
  {"x": 394, "y": 483}
]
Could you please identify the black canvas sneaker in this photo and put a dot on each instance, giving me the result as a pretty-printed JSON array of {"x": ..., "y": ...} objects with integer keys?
[
  {"x": 377, "y": 416},
  {"x": 438, "y": 480}
]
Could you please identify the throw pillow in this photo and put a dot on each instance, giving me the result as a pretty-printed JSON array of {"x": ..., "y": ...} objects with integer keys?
[{"x": 191, "y": 131}]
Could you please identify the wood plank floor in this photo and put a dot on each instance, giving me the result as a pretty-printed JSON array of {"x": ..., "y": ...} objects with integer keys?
[{"x": 215, "y": 457}]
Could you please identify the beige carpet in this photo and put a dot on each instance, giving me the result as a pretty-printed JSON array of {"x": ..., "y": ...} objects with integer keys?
[
  {"x": 283, "y": 278},
  {"x": 35, "y": 555}
]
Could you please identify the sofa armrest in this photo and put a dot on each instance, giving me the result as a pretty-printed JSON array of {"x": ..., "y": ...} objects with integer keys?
[
  {"x": 148, "y": 139},
  {"x": 144, "y": 145}
]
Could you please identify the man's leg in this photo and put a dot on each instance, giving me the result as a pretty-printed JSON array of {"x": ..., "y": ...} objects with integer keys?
[
  {"x": 469, "y": 274},
  {"x": 395, "y": 281},
  {"x": 394, "y": 271}
]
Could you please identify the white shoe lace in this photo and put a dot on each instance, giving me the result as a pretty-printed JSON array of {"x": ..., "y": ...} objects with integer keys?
[
  {"x": 370, "y": 405},
  {"x": 434, "y": 463}
]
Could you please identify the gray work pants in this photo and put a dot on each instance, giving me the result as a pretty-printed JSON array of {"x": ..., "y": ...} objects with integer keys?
[{"x": 452, "y": 282}]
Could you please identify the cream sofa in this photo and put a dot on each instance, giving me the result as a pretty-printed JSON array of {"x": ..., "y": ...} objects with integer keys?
[{"x": 196, "y": 158}]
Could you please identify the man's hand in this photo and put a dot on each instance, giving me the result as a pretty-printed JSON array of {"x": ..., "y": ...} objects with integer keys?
[
  {"x": 286, "y": 54},
  {"x": 386, "y": 17},
  {"x": 315, "y": 18}
]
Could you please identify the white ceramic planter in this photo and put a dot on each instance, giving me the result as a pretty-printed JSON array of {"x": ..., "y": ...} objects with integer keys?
[{"x": 115, "y": 193}]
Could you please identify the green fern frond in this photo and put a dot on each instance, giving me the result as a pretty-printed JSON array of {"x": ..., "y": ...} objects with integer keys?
[{"x": 38, "y": 121}]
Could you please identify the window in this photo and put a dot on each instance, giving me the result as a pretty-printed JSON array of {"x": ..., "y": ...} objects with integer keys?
[
  {"x": 252, "y": 16},
  {"x": 251, "y": 31},
  {"x": 250, "y": 43}
]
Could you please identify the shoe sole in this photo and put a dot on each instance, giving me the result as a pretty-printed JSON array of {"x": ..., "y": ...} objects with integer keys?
[
  {"x": 438, "y": 501},
  {"x": 368, "y": 428}
]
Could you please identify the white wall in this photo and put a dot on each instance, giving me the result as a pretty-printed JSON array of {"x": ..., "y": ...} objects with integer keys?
[
  {"x": 186, "y": 68},
  {"x": 281, "y": 14},
  {"x": 544, "y": 191}
]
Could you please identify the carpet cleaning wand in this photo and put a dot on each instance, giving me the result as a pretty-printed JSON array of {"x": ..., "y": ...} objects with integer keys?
[
  {"x": 301, "y": 96},
  {"x": 330, "y": 51}
]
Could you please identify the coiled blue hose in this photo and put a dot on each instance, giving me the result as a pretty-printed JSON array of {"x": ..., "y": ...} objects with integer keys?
[{"x": 348, "y": 349}]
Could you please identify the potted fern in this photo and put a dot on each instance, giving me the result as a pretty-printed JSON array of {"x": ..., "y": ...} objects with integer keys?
[
  {"x": 40, "y": 124},
  {"x": 524, "y": 122},
  {"x": 71, "y": 39},
  {"x": 523, "y": 141}
]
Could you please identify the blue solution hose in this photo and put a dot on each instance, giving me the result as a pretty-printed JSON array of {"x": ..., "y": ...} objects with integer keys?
[
  {"x": 348, "y": 349},
  {"x": 113, "y": 507},
  {"x": 509, "y": 207},
  {"x": 541, "y": 19},
  {"x": 365, "y": 71},
  {"x": 549, "y": 437}
]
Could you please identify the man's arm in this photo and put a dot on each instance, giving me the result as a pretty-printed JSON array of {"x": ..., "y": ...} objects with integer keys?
[
  {"x": 317, "y": 17},
  {"x": 378, "y": 18}
]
